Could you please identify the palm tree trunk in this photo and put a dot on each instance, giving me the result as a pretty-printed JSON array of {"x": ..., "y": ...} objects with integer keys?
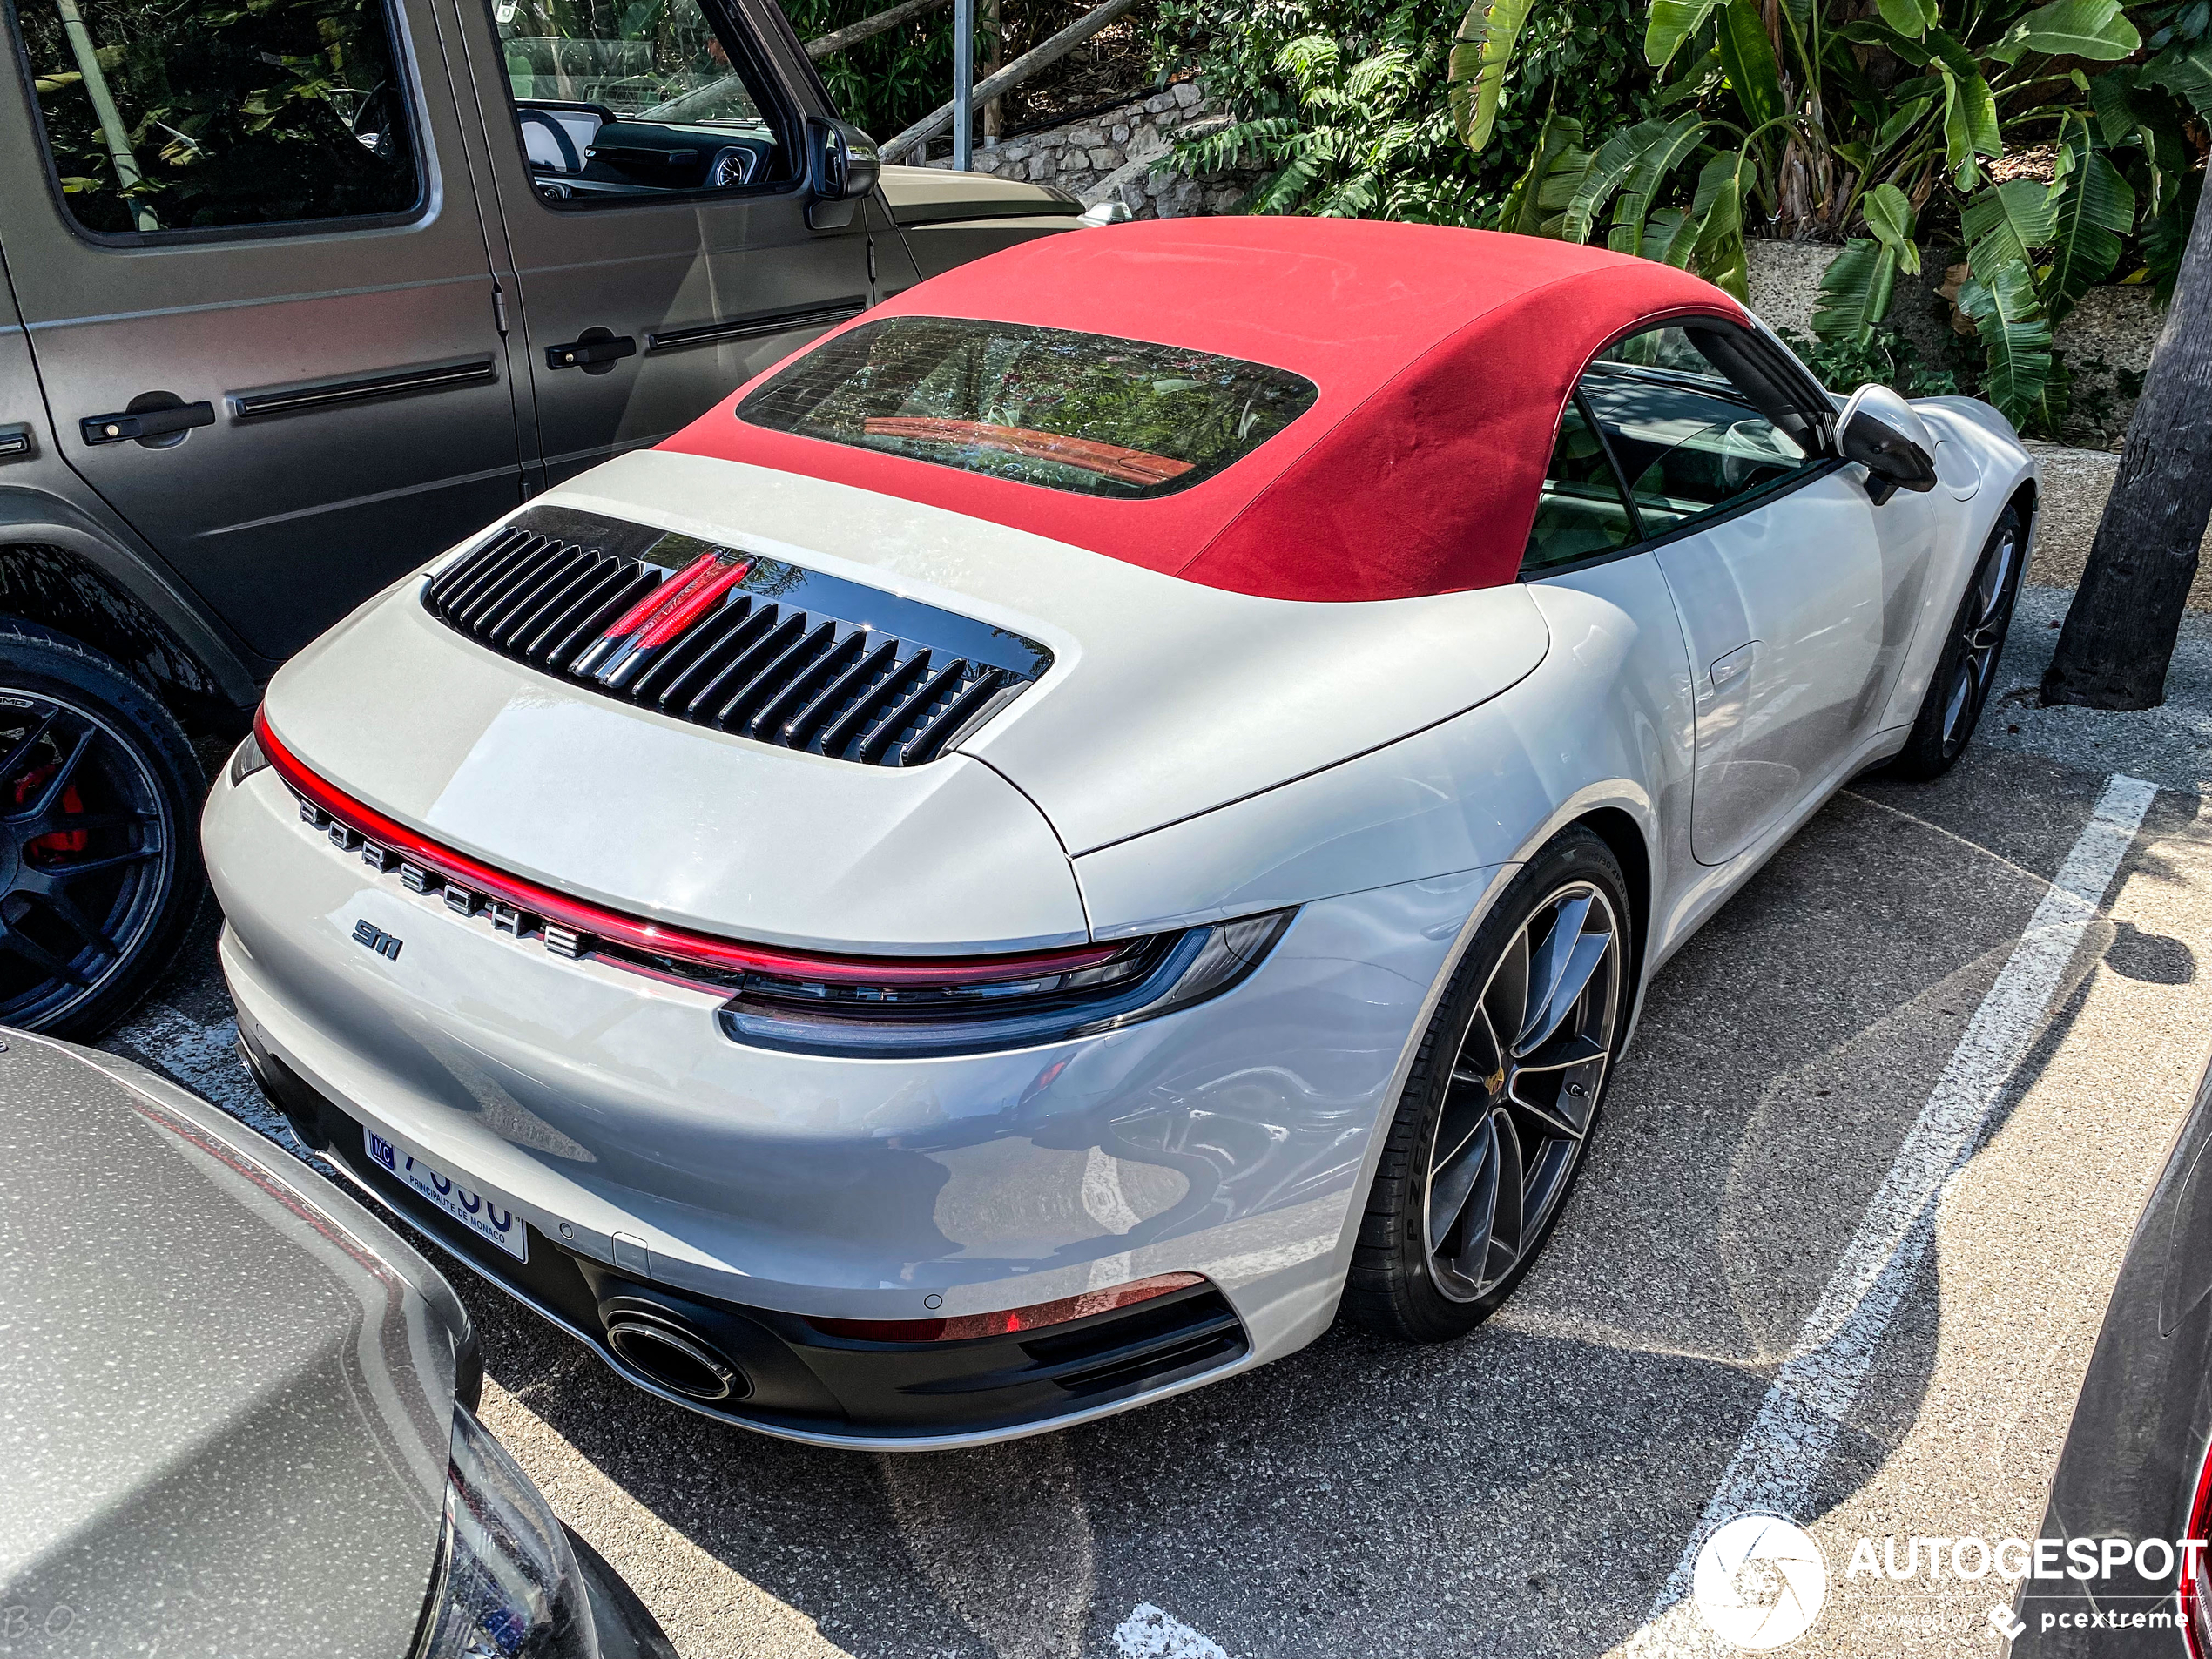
[{"x": 2120, "y": 631}]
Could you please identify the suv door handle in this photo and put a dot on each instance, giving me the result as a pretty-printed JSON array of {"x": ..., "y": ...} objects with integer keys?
[
  {"x": 593, "y": 346},
  {"x": 147, "y": 423}
]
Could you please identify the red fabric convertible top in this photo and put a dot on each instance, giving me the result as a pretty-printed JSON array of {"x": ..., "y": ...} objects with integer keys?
[{"x": 1443, "y": 359}]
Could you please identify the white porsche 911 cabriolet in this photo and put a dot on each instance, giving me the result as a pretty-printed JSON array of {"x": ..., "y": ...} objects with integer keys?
[{"x": 1115, "y": 806}]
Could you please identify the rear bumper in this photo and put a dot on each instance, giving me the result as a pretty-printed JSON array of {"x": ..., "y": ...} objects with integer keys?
[
  {"x": 642, "y": 1147},
  {"x": 796, "y": 1381}
]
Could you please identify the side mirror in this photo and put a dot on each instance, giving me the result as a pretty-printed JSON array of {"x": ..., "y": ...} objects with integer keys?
[
  {"x": 841, "y": 165},
  {"x": 1880, "y": 431}
]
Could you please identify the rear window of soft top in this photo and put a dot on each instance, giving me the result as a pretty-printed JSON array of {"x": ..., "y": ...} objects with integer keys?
[{"x": 1122, "y": 419}]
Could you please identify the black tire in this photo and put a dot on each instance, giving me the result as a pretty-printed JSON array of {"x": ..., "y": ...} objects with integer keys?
[
  {"x": 99, "y": 849},
  {"x": 1959, "y": 691},
  {"x": 1401, "y": 1284}
]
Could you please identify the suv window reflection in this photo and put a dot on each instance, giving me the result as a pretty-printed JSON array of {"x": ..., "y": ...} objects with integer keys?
[{"x": 209, "y": 114}]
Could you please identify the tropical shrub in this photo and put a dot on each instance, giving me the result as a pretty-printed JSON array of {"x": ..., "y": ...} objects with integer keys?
[
  {"x": 1800, "y": 118},
  {"x": 1884, "y": 356},
  {"x": 890, "y": 81},
  {"x": 1344, "y": 101}
]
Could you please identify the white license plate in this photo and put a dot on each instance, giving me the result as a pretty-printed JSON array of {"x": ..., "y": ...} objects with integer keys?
[{"x": 481, "y": 1216}]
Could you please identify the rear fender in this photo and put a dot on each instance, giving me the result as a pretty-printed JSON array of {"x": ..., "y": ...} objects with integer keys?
[{"x": 148, "y": 616}]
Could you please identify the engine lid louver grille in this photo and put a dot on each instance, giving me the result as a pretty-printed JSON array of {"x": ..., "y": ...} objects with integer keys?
[{"x": 741, "y": 643}]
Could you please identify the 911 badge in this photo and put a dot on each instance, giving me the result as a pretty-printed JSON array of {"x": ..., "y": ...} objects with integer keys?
[{"x": 385, "y": 945}]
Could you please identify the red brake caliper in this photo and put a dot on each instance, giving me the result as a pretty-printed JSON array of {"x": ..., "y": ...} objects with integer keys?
[{"x": 58, "y": 841}]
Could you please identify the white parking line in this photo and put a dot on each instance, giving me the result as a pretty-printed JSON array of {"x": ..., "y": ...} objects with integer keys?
[
  {"x": 1149, "y": 1633},
  {"x": 1780, "y": 1456}
]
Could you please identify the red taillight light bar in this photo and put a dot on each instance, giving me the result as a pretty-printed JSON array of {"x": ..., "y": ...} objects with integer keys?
[
  {"x": 958, "y": 1327},
  {"x": 654, "y": 938},
  {"x": 2195, "y": 1588}
]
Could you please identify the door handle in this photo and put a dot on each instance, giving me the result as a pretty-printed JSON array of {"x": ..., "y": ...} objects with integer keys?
[
  {"x": 592, "y": 349},
  {"x": 147, "y": 423},
  {"x": 15, "y": 443},
  {"x": 1728, "y": 668}
]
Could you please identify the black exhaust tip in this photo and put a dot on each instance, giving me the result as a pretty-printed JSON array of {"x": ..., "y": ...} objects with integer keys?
[{"x": 659, "y": 1343}]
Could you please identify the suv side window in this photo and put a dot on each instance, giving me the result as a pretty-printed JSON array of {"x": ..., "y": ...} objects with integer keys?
[
  {"x": 213, "y": 114},
  {"x": 614, "y": 100},
  {"x": 1579, "y": 511},
  {"x": 1690, "y": 440}
]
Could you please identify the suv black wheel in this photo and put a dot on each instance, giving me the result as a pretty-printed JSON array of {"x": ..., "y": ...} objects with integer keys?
[
  {"x": 1503, "y": 1096},
  {"x": 100, "y": 868}
]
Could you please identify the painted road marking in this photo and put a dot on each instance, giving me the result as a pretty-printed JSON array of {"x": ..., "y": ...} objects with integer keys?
[
  {"x": 1781, "y": 1454},
  {"x": 1150, "y": 1633}
]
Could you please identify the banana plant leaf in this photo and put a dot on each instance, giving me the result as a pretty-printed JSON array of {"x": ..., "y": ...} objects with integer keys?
[
  {"x": 2091, "y": 28},
  {"x": 2108, "y": 96},
  {"x": 2166, "y": 236},
  {"x": 1640, "y": 188},
  {"x": 1533, "y": 205},
  {"x": 1619, "y": 159},
  {"x": 2015, "y": 339},
  {"x": 1901, "y": 121},
  {"x": 2186, "y": 75},
  {"x": 1670, "y": 234},
  {"x": 2095, "y": 207},
  {"x": 1969, "y": 125},
  {"x": 1910, "y": 18},
  {"x": 1868, "y": 32},
  {"x": 1855, "y": 291},
  {"x": 1718, "y": 253},
  {"x": 1748, "y": 56},
  {"x": 1671, "y": 22},
  {"x": 2005, "y": 224},
  {"x": 1889, "y": 214},
  {"x": 1481, "y": 51}
]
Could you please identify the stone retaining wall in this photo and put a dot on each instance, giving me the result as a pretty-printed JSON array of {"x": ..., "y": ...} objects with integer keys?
[{"x": 1113, "y": 154}]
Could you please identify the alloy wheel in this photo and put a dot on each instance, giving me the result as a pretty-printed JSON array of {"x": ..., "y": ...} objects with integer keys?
[
  {"x": 85, "y": 851},
  {"x": 1523, "y": 1090},
  {"x": 1988, "y": 613}
]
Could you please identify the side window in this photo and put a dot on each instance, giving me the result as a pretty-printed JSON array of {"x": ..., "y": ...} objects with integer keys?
[
  {"x": 1578, "y": 511},
  {"x": 1689, "y": 439},
  {"x": 211, "y": 114},
  {"x": 618, "y": 98}
]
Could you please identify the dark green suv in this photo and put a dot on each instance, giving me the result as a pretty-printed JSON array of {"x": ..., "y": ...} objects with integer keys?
[{"x": 298, "y": 293}]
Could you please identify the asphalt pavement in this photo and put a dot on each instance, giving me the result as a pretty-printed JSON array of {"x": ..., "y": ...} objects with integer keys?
[{"x": 1842, "y": 1246}]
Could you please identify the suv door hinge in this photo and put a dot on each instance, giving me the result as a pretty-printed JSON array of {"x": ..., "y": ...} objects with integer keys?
[{"x": 499, "y": 308}]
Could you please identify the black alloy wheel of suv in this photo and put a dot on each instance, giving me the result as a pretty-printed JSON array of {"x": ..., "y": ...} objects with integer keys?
[{"x": 99, "y": 864}]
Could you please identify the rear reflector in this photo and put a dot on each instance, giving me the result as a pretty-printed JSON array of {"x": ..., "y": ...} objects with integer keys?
[{"x": 960, "y": 1327}]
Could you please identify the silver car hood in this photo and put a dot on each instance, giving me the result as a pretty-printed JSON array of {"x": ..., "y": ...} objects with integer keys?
[
  {"x": 225, "y": 1407},
  {"x": 1165, "y": 699}
]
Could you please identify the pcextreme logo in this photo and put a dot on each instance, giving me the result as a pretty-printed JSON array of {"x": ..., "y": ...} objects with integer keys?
[{"x": 1759, "y": 1582}]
